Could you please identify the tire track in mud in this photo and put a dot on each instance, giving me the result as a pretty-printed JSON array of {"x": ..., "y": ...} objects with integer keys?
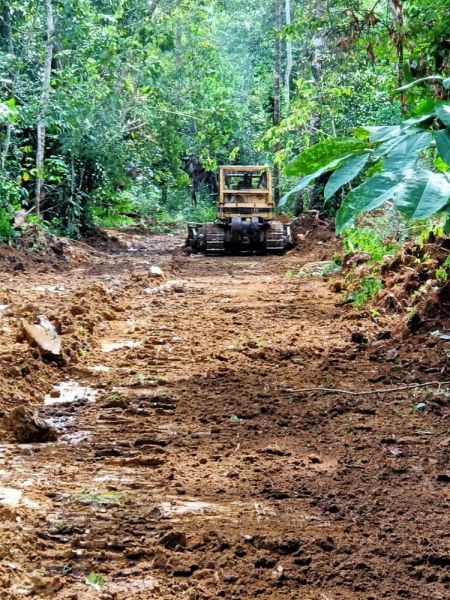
[{"x": 187, "y": 467}]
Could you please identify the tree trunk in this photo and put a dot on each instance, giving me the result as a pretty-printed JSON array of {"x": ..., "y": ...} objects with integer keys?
[
  {"x": 316, "y": 67},
  {"x": 10, "y": 48},
  {"x": 397, "y": 13},
  {"x": 45, "y": 98},
  {"x": 289, "y": 59},
  {"x": 277, "y": 97}
]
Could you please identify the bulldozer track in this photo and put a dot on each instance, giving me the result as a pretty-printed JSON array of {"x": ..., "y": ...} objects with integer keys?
[
  {"x": 275, "y": 241},
  {"x": 215, "y": 241}
]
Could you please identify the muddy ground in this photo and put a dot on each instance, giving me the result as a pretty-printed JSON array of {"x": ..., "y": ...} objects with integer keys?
[{"x": 189, "y": 463}]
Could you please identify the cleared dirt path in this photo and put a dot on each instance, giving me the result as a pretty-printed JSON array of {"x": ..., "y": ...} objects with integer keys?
[{"x": 188, "y": 464}]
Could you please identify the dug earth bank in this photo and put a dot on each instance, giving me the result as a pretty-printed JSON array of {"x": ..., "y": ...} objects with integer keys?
[{"x": 169, "y": 451}]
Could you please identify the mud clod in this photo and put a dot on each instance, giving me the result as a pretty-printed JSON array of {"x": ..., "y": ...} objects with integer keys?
[{"x": 26, "y": 427}]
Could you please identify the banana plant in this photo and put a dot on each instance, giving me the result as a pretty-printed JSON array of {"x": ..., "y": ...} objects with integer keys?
[{"x": 391, "y": 159}]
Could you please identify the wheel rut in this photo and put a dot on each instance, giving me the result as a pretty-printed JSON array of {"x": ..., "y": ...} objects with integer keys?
[{"x": 186, "y": 465}]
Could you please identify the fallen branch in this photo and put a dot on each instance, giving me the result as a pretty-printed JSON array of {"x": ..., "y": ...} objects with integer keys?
[{"x": 371, "y": 392}]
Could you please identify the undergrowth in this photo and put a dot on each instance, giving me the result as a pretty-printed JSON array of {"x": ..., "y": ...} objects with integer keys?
[
  {"x": 364, "y": 290},
  {"x": 367, "y": 241}
]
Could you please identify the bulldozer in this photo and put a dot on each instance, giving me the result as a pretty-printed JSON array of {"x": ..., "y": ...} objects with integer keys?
[{"x": 246, "y": 220}]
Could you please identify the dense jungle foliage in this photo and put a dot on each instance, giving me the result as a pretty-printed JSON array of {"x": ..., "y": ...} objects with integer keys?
[{"x": 111, "y": 110}]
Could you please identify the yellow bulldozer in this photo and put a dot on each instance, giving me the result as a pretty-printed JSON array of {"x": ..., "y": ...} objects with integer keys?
[{"x": 246, "y": 218}]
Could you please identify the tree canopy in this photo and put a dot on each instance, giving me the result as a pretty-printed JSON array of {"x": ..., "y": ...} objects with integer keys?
[{"x": 108, "y": 108}]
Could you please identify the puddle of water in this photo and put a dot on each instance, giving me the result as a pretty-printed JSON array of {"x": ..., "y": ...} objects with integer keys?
[
  {"x": 177, "y": 509},
  {"x": 70, "y": 391},
  {"x": 184, "y": 508},
  {"x": 10, "y": 497},
  {"x": 112, "y": 346},
  {"x": 76, "y": 437},
  {"x": 105, "y": 478},
  {"x": 53, "y": 289},
  {"x": 31, "y": 503}
]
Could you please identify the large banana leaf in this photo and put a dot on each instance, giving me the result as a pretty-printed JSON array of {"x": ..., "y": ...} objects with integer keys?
[
  {"x": 383, "y": 132},
  {"x": 443, "y": 144},
  {"x": 416, "y": 193},
  {"x": 389, "y": 145},
  {"x": 318, "y": 156},
  {"x": 369, "y": 195},
  {"x": 306, "y": 180},
  {"x": 407, "y": 152},
  {"x": 422, "y": 193},
  {"x": 443, "y": 113},
  {"x": 345, "y": 173}
]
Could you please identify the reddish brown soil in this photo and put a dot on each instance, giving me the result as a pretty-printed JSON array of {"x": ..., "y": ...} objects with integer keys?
[{"x": 200, "y": 470}]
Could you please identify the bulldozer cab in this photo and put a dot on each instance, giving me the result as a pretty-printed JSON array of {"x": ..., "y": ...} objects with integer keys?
[{"x": 245, "y": 192}]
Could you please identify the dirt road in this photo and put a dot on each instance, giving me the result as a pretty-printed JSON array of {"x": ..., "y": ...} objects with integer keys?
[{"x": 188, "y": 464}]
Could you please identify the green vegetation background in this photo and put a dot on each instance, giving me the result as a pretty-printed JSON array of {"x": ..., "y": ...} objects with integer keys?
[{"x": 147, "y": 98}]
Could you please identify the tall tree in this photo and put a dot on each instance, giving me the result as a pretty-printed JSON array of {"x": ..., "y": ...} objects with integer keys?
[
  {"x": 6, "y": 18},
  {"x": 317, "y": 72},
  {"x": 45, "y": 98},
  {"x": 399, "y": 35},
  {"x": 289, "y": 56},
  {"x": 277, "y": 97}
]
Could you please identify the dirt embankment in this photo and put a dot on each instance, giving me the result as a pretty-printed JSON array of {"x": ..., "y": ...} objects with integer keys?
[{"x": 190, "y": 459}]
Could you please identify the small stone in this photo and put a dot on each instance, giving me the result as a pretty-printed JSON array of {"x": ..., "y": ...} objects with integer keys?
[{"x": 156, "y": 272}]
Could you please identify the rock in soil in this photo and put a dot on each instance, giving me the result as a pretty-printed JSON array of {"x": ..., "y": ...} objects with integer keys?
[{"x": 44, "y": 336}]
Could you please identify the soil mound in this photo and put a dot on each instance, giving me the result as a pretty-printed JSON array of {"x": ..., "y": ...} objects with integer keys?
[{"x": 313, "y": 234}]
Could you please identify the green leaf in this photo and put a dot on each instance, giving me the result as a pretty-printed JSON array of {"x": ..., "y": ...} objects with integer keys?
[
  {"x": 407, "y": 152},
  {"x": 301, "y": 185},
  {"x": 319, "y": 155},
  {"x": 346, "y": 172},
  {"x": 424, "y": 107},
  {"x": 422, "y": 194},
  {"x": 369, "y": 195},
  {"x": 443, "y": 144},
  {"x": 416, "y": 120},
  {"x": 435, "y": 78},
  {"x": 416, "y": 193},
  {"x": 443, "y": 113},
  {"x": 447, "y": 226},
  {"x": 384, "y": 132},
  {"x": 305, "y": 181},
  {"x": 387, "y": 146},
  {"x": 361, "y": 133},
  {"x": 95, "y": 580}
]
